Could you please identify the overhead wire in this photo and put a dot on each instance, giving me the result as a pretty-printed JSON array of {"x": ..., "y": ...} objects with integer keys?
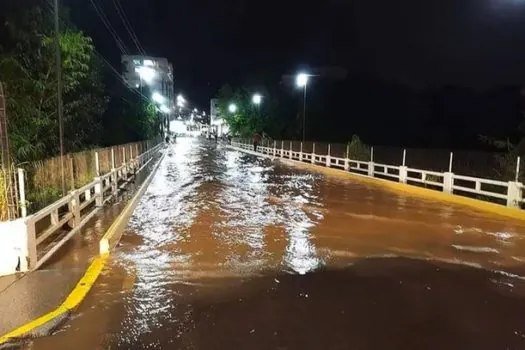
[
  {"x": 110, "y": 28},
  {"x": 128, "y": 26},
  {"x": 120, "y": 77}
]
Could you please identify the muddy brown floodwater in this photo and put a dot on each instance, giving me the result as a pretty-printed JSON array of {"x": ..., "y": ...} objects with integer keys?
[{"x": 230, "y": 251}]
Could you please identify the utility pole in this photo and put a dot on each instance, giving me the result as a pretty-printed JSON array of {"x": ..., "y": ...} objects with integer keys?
[{"x": 59, "y": 96}]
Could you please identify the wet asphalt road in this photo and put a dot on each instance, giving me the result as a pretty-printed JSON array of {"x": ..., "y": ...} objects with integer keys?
[{"x": 230, "y": 251}]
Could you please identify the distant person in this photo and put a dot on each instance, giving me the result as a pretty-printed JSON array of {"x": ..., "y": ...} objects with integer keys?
[{"x": 256, "y": 140}]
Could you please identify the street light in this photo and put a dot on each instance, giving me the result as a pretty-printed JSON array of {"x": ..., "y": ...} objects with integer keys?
[
  {"x": 158, "y": 98},
  {"x": 232, "y": 108},
  {"x": 256, "y": 99},
  {"x": 302, "y": 81}
]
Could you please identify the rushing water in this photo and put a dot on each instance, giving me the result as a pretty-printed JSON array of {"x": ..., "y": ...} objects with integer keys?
[{"x": 230, "y": 251}]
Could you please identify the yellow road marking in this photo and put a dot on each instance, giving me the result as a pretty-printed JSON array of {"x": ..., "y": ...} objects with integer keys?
[{"x": 75, "y": 297}]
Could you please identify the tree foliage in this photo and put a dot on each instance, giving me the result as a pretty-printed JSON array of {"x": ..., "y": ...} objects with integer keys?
[
  {"x": 248, "y": 117},
  {"x": 28, "y": 71}
]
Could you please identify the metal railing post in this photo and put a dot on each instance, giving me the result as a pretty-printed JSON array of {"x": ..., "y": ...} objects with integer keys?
[
  {"x": 403, "y": 170},
  {"x": 313, "y": 153},
  {"x": 114, "y": 176},
  {"x": 328, "y": 159},
  {"x": 517, "y": 177},
  {"x": 291, "y": 151},
  {"x": 99, "y": 192},
  {"x": 31, "y": 248},
  {"x": 282, "y": 149},
  {"x": 371, "y": 166},
  {"x": 274, "y": 148},
  {"x": 301, "y": 152},
  {"x": 347, "y": 158},
  {"x": 22, "y": 192},
  {"x": 97, "y": 164}
]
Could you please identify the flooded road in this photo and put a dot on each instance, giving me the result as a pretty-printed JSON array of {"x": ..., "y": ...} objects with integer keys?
[{"x": 230, "y": 251}]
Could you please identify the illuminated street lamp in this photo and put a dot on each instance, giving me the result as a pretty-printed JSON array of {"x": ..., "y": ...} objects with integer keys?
[
  {"x": 256, "y": 99},
  {"x": 302, "y": 81},
  {"x": 232, "y": 108},
  {"x": 158, "y": 98},
  {"x": 146, "y": 73}
]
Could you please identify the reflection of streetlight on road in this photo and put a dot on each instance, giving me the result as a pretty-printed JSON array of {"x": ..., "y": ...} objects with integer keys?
[
  {"x": 232, "y": 108},
  {"x": 302, "y": 81}
]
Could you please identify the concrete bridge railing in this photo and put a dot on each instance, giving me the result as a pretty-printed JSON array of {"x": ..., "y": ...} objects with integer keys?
[
  {"x": 40, "y": 235},
  {"x": 509, "y": 193}
]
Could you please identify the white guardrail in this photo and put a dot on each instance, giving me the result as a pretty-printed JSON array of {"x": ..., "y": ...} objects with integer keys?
[
  {"x": 47, "y": 230},
  {"x": 509, "y": 192}
]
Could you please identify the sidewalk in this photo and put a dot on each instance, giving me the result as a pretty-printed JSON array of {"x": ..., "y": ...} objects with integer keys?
[{"x": 25, "y": 297}]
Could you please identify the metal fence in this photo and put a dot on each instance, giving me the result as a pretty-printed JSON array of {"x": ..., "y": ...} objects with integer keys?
[{"x": 480, "y": 175}]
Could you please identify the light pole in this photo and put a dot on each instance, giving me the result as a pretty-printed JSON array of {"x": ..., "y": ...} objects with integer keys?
[
  {"x": 59, "y": 96},
  {"x": 256, "y": 100},
  {"x": 302, "y": 81}
]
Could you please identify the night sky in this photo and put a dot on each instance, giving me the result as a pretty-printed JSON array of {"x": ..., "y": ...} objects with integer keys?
[{"x": 413, "y": 43}]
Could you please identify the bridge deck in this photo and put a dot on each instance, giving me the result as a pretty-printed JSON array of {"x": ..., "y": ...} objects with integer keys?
[{"x": 227, "y": 250}]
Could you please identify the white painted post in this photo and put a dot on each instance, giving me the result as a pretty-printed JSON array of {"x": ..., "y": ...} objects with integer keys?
[
  {"x": 371, "y": 167},
  {"x": 125, "y": 165},
  {"x": 114, "y": 176},
  {"x": 514, "y": 194},
  {"x": 87, "y": 194},
  {"x": 291, "y": 150},
  {"x": 403, "y": 169},
  {"x": 97, "y": 164},
  {"x": 328, "y": 161},
  {"x": 450, "y": 162},
  {"x": 282, "y": 149},
  {"x": 448, "y": 182},
  {"x": 347, "y": 159},
  {"x": 99, "y": 193},
  {"x": 517, "y": 169},
  {"x": 313, "y": 153},
  {"x": 403, "y": 174},
  {"x": 22, "y": 192},
  {"x": 301, "y": 152},
  {"x": 274, "y": 148},
  {"x": 75, "y": 208},
  {"x": 112, "y": 158}
]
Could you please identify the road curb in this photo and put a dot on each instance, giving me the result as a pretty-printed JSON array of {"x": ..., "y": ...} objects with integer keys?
[{"x": 47, "y": 323}]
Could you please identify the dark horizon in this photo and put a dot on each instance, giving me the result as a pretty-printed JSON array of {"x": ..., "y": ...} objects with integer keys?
[{"x": 394, "y": 51}]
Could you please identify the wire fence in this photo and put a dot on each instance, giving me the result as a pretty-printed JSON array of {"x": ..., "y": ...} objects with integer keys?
[{"x": 489, "y": 165}]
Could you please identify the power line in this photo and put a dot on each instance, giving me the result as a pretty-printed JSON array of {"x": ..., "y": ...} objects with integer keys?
[
  {"x": 110, "y": 28},
  {"x": 121, "y": 78},
  {"x": 128, "y": 26}
]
